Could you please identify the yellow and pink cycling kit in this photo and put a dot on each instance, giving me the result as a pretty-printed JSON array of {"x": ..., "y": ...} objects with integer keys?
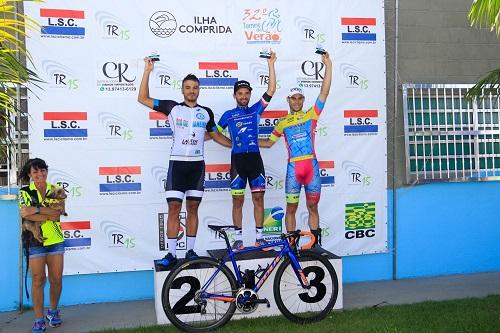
[{"x": 299, "y": 129}]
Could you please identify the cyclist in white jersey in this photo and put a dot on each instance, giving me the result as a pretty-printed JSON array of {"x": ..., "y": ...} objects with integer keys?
[{"x": 186, "y": 170}]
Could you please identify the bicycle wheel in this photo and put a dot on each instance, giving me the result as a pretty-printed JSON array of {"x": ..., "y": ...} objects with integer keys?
[
  {"x": 303, "y": 305},
  {"x": 180, "y": 290}
]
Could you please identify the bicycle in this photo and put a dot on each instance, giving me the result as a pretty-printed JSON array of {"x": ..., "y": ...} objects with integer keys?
[{"x": 305, "y": 286}]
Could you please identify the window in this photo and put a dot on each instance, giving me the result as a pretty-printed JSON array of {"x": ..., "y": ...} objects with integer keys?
[{"x": 448, "y": 137}]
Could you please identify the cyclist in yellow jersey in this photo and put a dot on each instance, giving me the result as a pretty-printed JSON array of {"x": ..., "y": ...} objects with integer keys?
[
  {"x": 34, "y": 208},
  {"x": 299, "y": 129}
]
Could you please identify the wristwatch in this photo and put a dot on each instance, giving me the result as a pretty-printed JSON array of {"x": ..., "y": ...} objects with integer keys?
[{"x": 37, "y": 210}]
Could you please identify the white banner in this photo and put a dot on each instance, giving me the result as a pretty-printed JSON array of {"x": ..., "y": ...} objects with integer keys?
[{"x": 111, "y": 154}]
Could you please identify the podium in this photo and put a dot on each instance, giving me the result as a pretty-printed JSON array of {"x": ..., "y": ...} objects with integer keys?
[{"x": 251, "y": 261}]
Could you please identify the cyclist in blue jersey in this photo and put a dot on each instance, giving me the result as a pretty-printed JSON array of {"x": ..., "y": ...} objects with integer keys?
[
  {"x": 186, "y": 168},
  {"x": 246, "y": 163}
]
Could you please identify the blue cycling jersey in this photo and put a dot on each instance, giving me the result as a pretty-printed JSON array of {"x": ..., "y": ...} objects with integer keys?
[{"x": 243, "y": 126}]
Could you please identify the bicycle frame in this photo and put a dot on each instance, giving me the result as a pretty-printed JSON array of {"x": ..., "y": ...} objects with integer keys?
[{"x": 285, "y": 251}]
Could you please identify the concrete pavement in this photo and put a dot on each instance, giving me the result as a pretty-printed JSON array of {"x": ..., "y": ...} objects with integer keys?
[{"x": 356, "y": 295}]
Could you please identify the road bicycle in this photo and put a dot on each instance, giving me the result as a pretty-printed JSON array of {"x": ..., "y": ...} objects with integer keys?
[{"x": 203, "y": 293}]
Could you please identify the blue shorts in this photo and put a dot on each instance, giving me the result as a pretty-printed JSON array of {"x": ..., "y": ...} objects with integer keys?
[{"x": 43, "y": 251}]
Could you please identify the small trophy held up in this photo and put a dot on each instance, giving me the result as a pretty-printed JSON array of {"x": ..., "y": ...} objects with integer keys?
[
  {"x": 265, "y": 53},
  {"x": 320, "y": 50},
  {"x": 154, "y": 56}
]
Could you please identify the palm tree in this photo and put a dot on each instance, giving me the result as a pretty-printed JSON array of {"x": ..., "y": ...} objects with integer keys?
[
  {"x": 13, "y": 70},
  {"x": 486, "y": 13}
]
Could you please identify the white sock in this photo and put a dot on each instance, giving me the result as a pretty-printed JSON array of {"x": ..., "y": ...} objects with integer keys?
[
  {"x": 190, "y": 242},
  {"x": 237, "y": 234},
  {"x": 172, "y": 246},
  {"x": 259, "y": 232}
]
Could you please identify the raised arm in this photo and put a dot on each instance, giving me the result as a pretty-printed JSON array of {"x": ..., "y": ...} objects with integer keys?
[
  {"x": 327, "y": 80},
  {"x": 271, "y": 84},
  {"x": 144, "y": 97}
]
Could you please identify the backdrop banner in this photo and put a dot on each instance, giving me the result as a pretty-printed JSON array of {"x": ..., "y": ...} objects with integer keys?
[{"x": 111, "y": 154}]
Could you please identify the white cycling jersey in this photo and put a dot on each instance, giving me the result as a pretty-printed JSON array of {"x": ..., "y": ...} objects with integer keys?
[{"x": 188, "y": 125}]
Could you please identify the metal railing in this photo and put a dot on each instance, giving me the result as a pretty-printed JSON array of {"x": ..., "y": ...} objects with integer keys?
[{"x": 449, "y": 137}]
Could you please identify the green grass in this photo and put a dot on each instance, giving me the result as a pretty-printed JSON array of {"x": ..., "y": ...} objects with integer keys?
[{"x": 467, "y": 315}]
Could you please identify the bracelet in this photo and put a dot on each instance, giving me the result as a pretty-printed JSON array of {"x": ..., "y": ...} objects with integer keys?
[{"x": 37, "y": 210}]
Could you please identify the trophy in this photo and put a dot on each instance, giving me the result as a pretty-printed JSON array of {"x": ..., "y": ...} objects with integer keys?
[
  {"x": 320, "y": 50},
  {"x": 154, "y": 56},
  {"x": 265, "y": 53}
]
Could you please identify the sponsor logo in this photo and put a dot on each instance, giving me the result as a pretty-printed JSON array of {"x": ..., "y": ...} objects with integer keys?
[
  {"x": 217, "y": 177},
  {"x": 120, "y": 180},
  {"x": 118, "y": 235},
  {"x": 116, "y": 77},
  {"x": 160, "y": 173},
  {"x": 162, "y": 232},
  {"x": 112, "y": 27},
  {"x": 67, "y": 182},
  {"x": 361, "y": 122},
  {"x": 359, "y": 220},
  {"x": 273, "y": 218},
  {"x": 166, "y": 78},
  {"x": 59, "y": 76},
  {"x": 326, "y": 173},
  {"x": 310, "y": 31},
  {"x": 62, "y": 23},
  {"x": 218, "y": 75},
  {"x": 268, "y": 120},
  {"x": 353, "y": 77},
  {"x": 76, "y": 235},
  {"x": 356, "y": 174},
  {"x": 274, "y": 180},
  {"x": 162, "y": 24},
  {"x": 204, "y": 25},
  {"x": 116, "y": 127},
  {"x": 65, "y": 126},
  {"x": 313, "y": 73},
  {"x": 358, "y": 30},
  {"x": 260, "y": 74},
  {"x": 160, "y": 126},
  {"x": 262, "y": 25}
]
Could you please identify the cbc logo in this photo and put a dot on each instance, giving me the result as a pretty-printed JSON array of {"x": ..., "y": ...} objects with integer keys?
[{"x": 162, "y": 24}]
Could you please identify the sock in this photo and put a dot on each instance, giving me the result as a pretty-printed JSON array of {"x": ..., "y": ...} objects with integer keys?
[
  {"x": 39, "y": 319},
  {"x": 190, "y": 242},
  {"x": 317, "y": 234},
  {"x": 237, "y": 234},
  {"x": 172, "y": 246},
  {"x": 259, "y": 232}
]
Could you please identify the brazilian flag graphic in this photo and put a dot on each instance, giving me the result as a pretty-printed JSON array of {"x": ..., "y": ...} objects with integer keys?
[{"x": 360, "y": 216}]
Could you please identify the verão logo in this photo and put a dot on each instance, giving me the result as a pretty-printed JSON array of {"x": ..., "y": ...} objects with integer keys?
[{"x": 62, "y": 23}]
